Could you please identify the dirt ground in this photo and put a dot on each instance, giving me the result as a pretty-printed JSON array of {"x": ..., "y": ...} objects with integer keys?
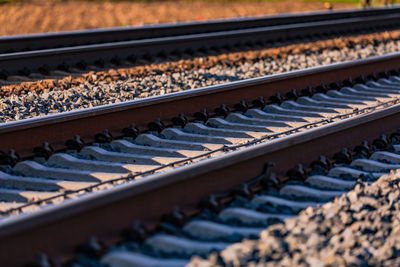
[{"x": 47, "y": 16}]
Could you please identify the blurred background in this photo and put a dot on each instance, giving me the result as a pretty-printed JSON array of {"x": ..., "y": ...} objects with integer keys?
[{"x": 23, "y": 17}]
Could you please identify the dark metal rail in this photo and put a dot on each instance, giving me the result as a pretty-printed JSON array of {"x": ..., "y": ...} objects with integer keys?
[
  {"x": 56, "y": 231},
  {"x": 75, "y": 38},
  {"x": 104, "y": 214},
  {"x": 56, "y": 129},
  {"x": 21, "y": 62}
]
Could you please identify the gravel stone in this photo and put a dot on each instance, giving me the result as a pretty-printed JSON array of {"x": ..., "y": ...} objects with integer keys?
[
  {"x": 335, "y": 234},
  {"x": 89, "y": 95},
  {"x": 116, "y": 86}
]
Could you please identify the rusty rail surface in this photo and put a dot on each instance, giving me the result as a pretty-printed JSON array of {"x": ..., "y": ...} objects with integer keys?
[
  {"x": 57, "y": 230},
  {"x": 56, "y": 129}
]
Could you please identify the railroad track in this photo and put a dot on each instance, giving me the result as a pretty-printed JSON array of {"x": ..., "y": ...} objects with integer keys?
[
  {"x": 350, "y": 102},
  {"x": 151, "y": 43},
  {"x": 30, "y": 42},
  {"x": 246, "y": 211}
]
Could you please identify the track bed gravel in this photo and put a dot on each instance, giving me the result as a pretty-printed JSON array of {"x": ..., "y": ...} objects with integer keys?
[
  {"x": 99, "y": 88},
  {"x": 361, "y": 228}
]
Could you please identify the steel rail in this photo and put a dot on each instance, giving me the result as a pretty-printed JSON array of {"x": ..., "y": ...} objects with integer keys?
[
  {"x": 58, "y": 128},
  {"x": 13, "y": 63},
  {"x": 105, "y": 213},
  {"x": 74, "y": 38},
  {"x": 223, "y": 149}
]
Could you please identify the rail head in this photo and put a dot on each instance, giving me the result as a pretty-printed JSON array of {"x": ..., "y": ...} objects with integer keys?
[{"x": 56, "y": 129}]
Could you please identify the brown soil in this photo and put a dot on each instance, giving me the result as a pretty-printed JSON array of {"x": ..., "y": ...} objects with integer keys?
[
  {"x": 47, "y": 16},
  {"x": 228, "y": 59}
]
